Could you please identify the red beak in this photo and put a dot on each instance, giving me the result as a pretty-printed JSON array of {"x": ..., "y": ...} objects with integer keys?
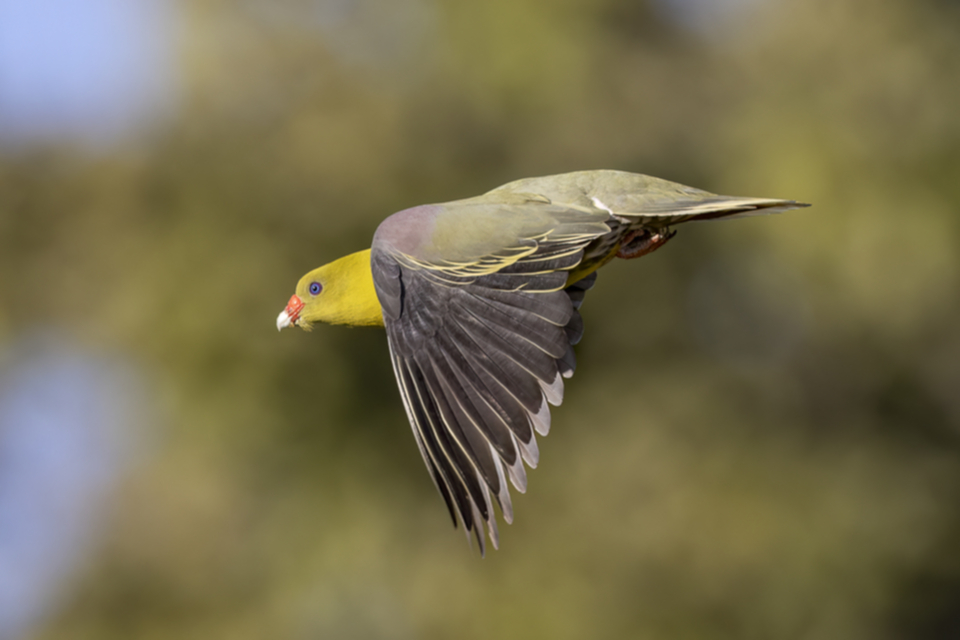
[{"x": 291, "y": 313}]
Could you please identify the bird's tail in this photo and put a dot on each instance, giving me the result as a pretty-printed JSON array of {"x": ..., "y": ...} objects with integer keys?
[{"x": 709, "y": 208}]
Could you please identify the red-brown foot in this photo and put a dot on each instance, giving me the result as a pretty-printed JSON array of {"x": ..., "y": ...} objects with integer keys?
[{"x": 643, "y": 241}]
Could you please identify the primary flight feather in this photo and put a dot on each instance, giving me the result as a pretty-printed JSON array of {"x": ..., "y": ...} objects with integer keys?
[{"x": 480, "y": 300}]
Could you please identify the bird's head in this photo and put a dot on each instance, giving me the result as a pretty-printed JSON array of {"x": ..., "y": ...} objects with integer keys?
[{"x": 341, "y": 292}]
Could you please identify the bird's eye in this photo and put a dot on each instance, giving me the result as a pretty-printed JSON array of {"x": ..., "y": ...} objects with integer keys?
[{"x": 315, "y": 288}]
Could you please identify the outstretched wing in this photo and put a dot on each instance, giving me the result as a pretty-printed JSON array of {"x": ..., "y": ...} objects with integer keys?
[{"x": 479, "y": 348}]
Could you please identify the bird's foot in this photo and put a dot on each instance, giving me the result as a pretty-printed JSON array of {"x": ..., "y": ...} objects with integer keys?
[{"x": 643, "y": 241}]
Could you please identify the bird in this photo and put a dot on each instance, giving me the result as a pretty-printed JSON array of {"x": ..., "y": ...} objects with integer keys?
[{"x": 480, "y": 299}]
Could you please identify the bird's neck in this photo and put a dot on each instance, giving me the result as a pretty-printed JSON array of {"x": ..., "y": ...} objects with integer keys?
[{"x": 359, "y": 305}]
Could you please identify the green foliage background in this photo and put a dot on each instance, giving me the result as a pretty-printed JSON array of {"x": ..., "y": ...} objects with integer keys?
[{"x": 761, "y": 440}]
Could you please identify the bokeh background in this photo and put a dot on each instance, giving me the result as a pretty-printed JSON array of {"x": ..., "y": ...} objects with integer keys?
[{"x": 763, "y": 436}]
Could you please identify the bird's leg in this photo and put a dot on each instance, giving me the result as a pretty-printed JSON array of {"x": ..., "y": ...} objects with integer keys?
[{"x": 643, "y": 241}]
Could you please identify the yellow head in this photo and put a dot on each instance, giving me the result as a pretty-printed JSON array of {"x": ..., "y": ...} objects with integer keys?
[{"x": 337, "y": 293}]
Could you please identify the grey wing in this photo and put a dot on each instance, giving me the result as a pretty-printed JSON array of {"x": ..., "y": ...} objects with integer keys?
[
  {"x": 640, "y": 198},
  {"x": 477, "y": 361}
]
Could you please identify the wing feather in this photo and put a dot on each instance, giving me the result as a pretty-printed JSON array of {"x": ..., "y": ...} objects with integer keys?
[
  {"x": 481, "y": 348},
  {"x": 574, "y": 329},
  {"x": 541, "y": 333},
  {"x": 533, "y": 283},
  {"x": 471, "y": 496},
  {"x": 500, "y": 413},
  {"x": 521, "y": 352},
  {"x": 495, "y": 407},
  {"x": 496, "y": 371},
  {"x": 465, "y": 449},
  {"x": 579, "y": 289},
  {"x": 464, "y": 424},
  {"x": 552, "y": 307},
  {"x": 568, "y": 363},
  {"x": 427, "y": 450},
  {"x": 483, "y": 407}
]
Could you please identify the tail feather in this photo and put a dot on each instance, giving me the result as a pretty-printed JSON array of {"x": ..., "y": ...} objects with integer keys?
[
  {"x": 746, "y": 207},
  {"x": 708, "y": 209}
]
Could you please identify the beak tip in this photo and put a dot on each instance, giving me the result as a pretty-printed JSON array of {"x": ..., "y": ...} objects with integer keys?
[
  {"x": 283, "y": 320},
  {"x": 291, "y": 314}
]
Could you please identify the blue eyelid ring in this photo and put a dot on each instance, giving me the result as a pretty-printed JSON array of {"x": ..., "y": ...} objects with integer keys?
[{"x": 315, "y": 288}]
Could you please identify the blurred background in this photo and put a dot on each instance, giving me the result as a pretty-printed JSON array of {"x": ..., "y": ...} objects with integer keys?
[{"x": 763, "y": 436}]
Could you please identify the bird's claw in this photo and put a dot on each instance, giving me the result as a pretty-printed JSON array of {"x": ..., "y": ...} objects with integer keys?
[{"x": 643, "y": 241}]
